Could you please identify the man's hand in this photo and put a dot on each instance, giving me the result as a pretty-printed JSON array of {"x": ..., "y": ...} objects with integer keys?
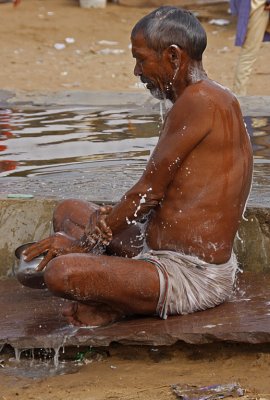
[
  {"x": 97, "y": 231},
  {"x": 53, "y": 246}
]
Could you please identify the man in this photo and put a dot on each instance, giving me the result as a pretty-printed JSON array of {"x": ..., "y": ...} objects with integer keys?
[
  {"x": 166, "y": 247},
  {"x": 252, "y": 25}
]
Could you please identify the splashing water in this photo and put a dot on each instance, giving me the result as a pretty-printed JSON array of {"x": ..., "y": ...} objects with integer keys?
[
  {"x": 161, "y": 111},
  {"x": 37, "y": 363}
]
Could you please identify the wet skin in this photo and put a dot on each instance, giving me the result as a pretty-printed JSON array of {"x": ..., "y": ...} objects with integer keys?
[{"x": 193, "y": 192}]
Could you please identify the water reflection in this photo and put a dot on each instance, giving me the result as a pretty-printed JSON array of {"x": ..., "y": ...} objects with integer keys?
[
  {"x": 48, "y": 141},
  {"x": 5, "y": 134}
]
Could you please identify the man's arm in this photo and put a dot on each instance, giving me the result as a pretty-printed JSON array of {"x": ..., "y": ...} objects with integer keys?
[{"x": 186, "y": 125}]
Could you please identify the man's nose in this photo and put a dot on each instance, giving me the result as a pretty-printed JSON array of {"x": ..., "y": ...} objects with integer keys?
[{"x": 137, "y": 70}]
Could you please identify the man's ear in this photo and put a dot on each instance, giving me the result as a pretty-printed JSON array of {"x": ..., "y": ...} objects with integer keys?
[{"x": 174, "y": 54}]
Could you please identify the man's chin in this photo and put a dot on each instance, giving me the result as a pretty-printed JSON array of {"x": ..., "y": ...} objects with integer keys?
[{"x": 157, "y": 94}]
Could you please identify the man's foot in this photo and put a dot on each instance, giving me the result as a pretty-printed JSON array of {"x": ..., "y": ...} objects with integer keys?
[{"x": 80, "y": 314}]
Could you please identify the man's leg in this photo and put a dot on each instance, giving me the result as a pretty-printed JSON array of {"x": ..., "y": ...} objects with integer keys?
[
  {"x": 257, "y": 24},
  {"x": 104, "y": 288},
  {"x": 71, "y": 216}
]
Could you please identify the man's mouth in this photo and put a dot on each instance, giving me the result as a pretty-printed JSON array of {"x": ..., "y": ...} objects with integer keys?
[
  {"x": 147, "y": 83},
  {"x": 154, "y": 90}
]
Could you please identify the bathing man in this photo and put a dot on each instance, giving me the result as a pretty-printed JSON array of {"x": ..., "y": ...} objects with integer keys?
[{"x": 189, "y": 200}]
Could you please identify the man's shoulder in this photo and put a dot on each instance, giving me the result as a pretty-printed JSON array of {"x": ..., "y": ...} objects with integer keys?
[
  {"x": 208, "y": 92},
  {"x": 205, "y": 86},
  {"x": 201, "y": 101}
]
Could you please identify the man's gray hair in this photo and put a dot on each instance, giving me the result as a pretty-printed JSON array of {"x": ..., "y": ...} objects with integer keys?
[{"x": 172, "y": 25}]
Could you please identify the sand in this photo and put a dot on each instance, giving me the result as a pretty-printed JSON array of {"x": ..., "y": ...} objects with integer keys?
[
  {"x": 32, "y": 33},
  {"x": 147, "y": 373},
  {"x": 54, "y": 45}
]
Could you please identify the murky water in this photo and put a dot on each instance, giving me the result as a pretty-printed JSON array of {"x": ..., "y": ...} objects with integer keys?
[
  {"x": 44, "y": 142},
  {"x": 41, "y": 363},
  {"x": 40, "y": 142}
]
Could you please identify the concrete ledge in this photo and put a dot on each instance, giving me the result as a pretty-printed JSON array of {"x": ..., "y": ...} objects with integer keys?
[
  {"x": 23, "y": 221},
  {"x": 252, "y": 245},
  {"x": 252, "y": 106}
]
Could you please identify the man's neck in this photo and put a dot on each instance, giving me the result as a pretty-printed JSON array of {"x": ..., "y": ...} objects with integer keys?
[
  {"x": 196, "y": 72},
  {"x": 189, "y": 73}
]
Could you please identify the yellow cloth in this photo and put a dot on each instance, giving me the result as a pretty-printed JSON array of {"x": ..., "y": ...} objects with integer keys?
[
  {"x": 257, "y": 25},
  {"x": 256, "y": 3}
]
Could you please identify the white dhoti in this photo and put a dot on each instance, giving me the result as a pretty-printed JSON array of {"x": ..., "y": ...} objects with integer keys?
[{"x": 188, "y": 284}]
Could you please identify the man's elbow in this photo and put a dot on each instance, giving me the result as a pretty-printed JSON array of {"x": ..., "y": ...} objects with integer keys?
[{"x": 151, "y": 200}]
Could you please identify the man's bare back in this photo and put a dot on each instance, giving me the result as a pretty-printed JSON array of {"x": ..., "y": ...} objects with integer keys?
[
  {"x": 204, "y": 198},
  {"x": 191, "y": 196}
]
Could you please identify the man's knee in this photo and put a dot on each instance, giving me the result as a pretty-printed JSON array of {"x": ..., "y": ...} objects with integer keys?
[
  {"x": 60, "y": 213},
  {"x": 74, "y": 210}
]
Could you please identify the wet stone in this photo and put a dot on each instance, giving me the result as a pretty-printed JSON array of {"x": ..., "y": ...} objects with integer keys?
[{"x": 31, "y": 318}]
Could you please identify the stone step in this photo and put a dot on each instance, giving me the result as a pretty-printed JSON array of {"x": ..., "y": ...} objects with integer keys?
[{"x": 31, "y": 318}]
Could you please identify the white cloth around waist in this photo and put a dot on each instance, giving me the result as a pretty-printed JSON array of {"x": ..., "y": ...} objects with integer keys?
[{"x": 188, "y": 284}]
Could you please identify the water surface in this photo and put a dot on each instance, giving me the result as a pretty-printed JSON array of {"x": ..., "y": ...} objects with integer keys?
[{"x": 46, "y": 142}]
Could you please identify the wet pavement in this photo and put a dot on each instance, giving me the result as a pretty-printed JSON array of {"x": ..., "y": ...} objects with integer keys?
[
  {"x": 31, "y": 318},
  {"x": 108, "y": 181},
  {"x": 250, "y": 105}
]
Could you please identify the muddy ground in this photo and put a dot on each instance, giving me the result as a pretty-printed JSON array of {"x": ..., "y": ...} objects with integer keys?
[
  {"x": 31, "y": 60},
  {"x": 31, "y": 33},
  {"x": 145, "y": 373}
]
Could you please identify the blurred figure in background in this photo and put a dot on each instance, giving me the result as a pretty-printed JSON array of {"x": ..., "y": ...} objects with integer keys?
[
  {"x": 15, "y": 2},
  {"x": 252, "y": 26}
]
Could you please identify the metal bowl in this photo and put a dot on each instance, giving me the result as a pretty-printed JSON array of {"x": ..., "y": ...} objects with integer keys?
[{"x": 26, "y": 272}]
